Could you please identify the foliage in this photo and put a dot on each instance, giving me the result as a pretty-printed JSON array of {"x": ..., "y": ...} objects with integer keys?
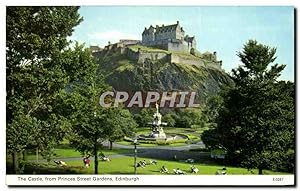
[
  {"x": 119, "y": 123},
  {"x": 144, "y": 117},
  {"x": 170, "y": 119},
  {"x": 188, "y": 117},
  {"x": 39, "y": 66},
  {"x": 256, "y": 121},
  {"x": 212, "y": 106}
]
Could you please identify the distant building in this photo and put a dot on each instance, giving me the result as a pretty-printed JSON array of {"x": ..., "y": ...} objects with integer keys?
[
  {"x": 95, "y": 49},
  {"x": 170, "y": 37}
]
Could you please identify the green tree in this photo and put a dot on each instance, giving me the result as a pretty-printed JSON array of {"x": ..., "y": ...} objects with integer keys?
[
  {"x": 119, "y": 123},
  {"x": 212, "y": 107},
  {"x": 188, "y": 117},
  {"x": 37, "y": 69},
  {"x": 256, "y": 121},
  {"x": 144, "y": 117},
  {"x": 169, "y": 119},
  {"x": 86, "y": 132},
  {"x": 91, "y": 124}
]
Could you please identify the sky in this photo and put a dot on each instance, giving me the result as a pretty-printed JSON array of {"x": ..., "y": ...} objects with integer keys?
[{"x": 221, "y": 29}]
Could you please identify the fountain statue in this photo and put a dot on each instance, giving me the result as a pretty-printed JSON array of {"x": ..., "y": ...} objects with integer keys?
[{"x": 157, "y": 130}]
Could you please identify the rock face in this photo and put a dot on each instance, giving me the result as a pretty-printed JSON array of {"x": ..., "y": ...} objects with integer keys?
[{"x": 126, "y": 74}]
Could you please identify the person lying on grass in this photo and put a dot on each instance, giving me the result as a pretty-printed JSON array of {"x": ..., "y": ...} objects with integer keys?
[
  {"x": 60, "y": 163},
  {"x": 103, "y": 157},
  {"x": 154, "y": 162},
  {"x": 178, "y": 171}
]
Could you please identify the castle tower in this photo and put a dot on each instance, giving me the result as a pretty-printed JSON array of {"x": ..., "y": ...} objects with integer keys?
[{"x": 148, "y": 35}]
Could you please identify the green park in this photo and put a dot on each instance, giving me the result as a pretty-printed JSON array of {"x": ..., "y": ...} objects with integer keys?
[{"x": 244, "y": 124}]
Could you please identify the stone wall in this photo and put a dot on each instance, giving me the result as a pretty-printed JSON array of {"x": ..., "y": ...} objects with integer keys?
[
  {"x": 152, "y": 55},
  {"x": 186, "y": 60},
  {"x": 141, "y": 56},
  {"x": 165, "y": 35},
  {"x": 215, "y": 65},
  {"x": 196, "y": 61},
  {"x": 132, "y": 55},
  {"x": 178, "y": 47},
  {"x": 171, "y": 58}
]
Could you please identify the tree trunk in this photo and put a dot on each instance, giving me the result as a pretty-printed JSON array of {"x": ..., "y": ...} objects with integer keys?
[
  {"x": 110, "y": 145},
  {"x": 96, "y": 156},
  {"x": 37, "y": 154},
  {"x": 260, "y": 170},
  {"x": 24, "y": 155},
  {"x": 15, "y": 163}
]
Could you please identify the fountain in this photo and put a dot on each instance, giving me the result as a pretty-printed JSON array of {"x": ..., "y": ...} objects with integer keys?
[{"x": 157, "y": 132}]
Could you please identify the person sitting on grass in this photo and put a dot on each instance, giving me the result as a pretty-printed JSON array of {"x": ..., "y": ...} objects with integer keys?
[
  {"x": 164, "y": 170},
  {"x": 86, "y": 161},
  {"x": 140, "y": 164},
  {"x": 194, "y": 169},
  {"x": 144, "y": 162},
  {"x": 224, "y": 171}
]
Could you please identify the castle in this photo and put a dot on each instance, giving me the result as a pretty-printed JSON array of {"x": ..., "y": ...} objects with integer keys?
[{"x": 170, "y": 37}]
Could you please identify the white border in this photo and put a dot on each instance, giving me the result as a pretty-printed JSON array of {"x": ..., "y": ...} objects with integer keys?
[
  {"x": 139, "y": 180},
  {"x": 4, "y": 3}
]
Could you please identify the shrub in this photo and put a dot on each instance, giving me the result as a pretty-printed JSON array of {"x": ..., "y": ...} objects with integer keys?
[
  {"x": 170, "y": 119},
  {"x": 46, "y": 168}
]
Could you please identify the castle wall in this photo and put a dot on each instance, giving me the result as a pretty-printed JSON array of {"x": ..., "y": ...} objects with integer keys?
[
  {"x": 186, "y": 60},
  {"x": 177, "y": 47},
  {"x": 152, "y": 55},
  {"x": 126, "y": 42},
  {"x": 179, "y": 34},
  {"x": 142, "y": 56},
  {"x": 132, "y": 55},
  {"x": 148, "y": 38},
  {"x": 195, "y": 61},
  {"x": 165, "y": 35},
  {"x": 216, "y": 65}
]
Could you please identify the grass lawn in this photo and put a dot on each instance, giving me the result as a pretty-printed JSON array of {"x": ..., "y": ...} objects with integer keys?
[
  {"x": 125, "y": 165},
  {"x": 71, "y": 153}
]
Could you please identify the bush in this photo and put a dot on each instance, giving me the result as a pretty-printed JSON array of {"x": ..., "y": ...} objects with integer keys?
[
  {"x": 45, "y": 168},
  {"x": 188, "y": 117},
  {"x": 144, "y": 117},
  {"x": 170, "y": 119}
]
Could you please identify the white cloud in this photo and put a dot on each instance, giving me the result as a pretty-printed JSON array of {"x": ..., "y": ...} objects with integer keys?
[{"x": 102, "y": 38}]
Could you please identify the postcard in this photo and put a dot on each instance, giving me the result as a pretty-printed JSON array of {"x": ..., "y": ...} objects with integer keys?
[{"x": 150, "y": 95}]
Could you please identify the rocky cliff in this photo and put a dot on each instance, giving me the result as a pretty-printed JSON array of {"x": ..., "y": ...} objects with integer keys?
[{"x": 125, "y": 74}]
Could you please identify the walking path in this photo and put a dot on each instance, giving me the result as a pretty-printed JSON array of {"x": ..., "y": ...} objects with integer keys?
[{"x": 156, "y": 152}]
